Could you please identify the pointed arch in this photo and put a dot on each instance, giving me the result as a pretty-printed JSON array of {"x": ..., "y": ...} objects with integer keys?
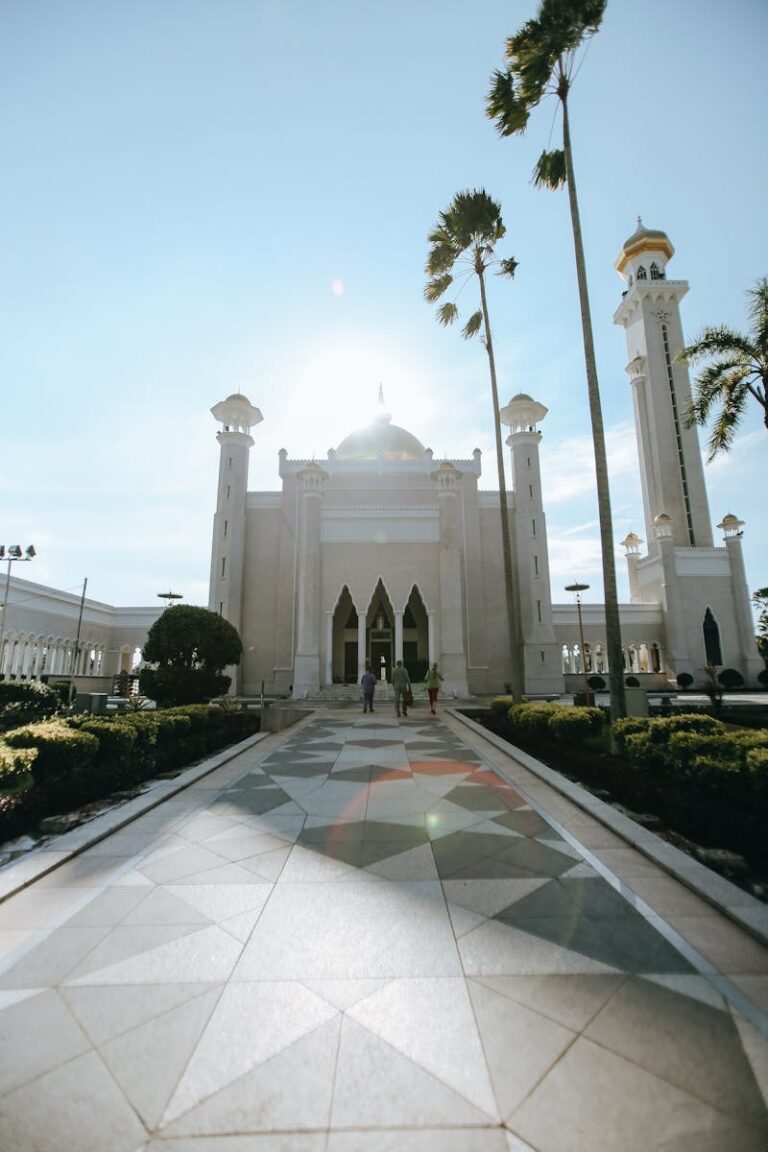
[
  {"x": 711, "y": 632},
  {"x": 344, "y": 639},
  {"x": 416, "y": 635}
]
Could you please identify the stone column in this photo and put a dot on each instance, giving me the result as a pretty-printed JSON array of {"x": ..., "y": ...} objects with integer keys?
[
  {"x": 431, "y": 638},
  {"x": 329, "y": 647},
  {"x": 398, "y": 636},
  {"x": 306, "y": 666},
  {"x": 360, "y": 645},
  {"x": 452, "y": 659}
]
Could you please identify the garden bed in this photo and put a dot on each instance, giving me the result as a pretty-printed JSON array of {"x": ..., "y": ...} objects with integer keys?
[{"x": 725, "y": 829}]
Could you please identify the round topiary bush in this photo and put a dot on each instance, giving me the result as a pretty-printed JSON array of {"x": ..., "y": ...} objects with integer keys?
[
  {"x": 632, "y": 682},
  {"x": 596, "y": 683},
  {"x": 684, "y": 680},
  {"x": 730, "y": 678},
  {"x": 575, "y": 725}
]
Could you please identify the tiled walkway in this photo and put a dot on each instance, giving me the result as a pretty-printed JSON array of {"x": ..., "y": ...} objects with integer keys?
[{"x": 359, "y": 938}]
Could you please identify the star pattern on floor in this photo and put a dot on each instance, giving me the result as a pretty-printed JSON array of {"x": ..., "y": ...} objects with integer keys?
[{"x": 366, "y": 931}]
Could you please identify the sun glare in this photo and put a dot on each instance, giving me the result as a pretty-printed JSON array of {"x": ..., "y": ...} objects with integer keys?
[{"x": 337, "y": 389}]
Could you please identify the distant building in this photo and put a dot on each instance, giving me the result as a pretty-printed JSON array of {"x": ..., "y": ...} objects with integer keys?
[
  {"x": 41, "y": 631},
  {"x": 379, "y": 552}
]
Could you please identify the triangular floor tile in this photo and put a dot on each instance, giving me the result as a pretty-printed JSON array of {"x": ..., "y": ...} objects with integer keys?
[
  {"x": 489, "y": 896},
  {"x": 292, "y": 1091},
  {"x": 107, "y": 1012},
  {"x": 148, "y": 1061},
  {"x": 414, "y": 864},
  {"x": 431, "y": 1022},
  {"x": 377, "y": 1087},
  {"x": 495, "y": 949},
  {"x": 207, "y": 955},
  {"x": 344, "y": 993},
  {"x": 464, "y": 921},
  {"x": 520, "y": 1045},
  {"x": 222, "y": 901},
  {"x": 252, "y": 1023}
]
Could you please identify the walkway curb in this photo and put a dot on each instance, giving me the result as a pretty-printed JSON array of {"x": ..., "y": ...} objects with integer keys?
[
  {"x": 19, "y": 874},
  {"x": 744, "y": 910}
]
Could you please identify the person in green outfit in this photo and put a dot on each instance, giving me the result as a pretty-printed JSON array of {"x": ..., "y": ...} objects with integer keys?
[
  {"x": 401, "y": 686},
  {"x": 433, "y": 679}
]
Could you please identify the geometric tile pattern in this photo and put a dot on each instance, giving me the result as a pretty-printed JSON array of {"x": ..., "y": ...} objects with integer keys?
[{"x": 363, "y": 940}]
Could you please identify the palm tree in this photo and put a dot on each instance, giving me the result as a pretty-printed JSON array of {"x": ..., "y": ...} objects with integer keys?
[
  {"x": 540, "y": 61},
  {"x": 464, "y": 239},
  {"x": 739, "y": 370}
]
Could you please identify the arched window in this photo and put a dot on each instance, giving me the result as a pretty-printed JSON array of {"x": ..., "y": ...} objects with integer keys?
[
  {"x": 712, "y": 639},
  {"x": 641, "y": 273},
  {"x": 656, "y": 272},
  {"x": 655, "y": 658}
]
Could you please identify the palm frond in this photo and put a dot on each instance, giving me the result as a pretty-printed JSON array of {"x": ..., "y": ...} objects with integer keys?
[
  {"x": 550, "y": 170},
  {"x": 504, "y": 105},
  {"x": 566, "y": 23},
  {"x": 447, "y": 313},
  {"x": 473, "y": 325},
  {"x": 757, "y": 310},
  {"x": 435, "y": 288},
  {"x": 507, "y": 267},
  {"x": 718, "y": 340}
]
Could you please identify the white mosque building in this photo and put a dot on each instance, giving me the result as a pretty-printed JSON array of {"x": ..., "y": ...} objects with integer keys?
[{"x": 381, "y": 553}]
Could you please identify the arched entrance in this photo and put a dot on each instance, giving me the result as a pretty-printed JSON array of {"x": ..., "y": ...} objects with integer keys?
[
  {"x": 380, "y": 633},
  {"x": 416, "y": 636},
  {"x": 345, "y": 640}
]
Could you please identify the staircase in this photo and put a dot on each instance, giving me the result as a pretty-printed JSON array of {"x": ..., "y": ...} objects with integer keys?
[{"x": 347, "y": 695}]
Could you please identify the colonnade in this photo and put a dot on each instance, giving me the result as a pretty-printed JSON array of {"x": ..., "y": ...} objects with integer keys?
[
  {"x": 639, "y": 656},
  {"x": 28, "y": 657}
]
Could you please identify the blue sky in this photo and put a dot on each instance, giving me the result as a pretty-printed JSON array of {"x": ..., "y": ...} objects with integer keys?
[{"x": 204, "y": 197}]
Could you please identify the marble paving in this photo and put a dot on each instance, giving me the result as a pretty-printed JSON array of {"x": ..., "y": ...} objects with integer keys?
[{"x": 363, "y": 939}]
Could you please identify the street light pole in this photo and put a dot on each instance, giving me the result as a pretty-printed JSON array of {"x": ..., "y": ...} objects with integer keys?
[
  {"x": 10, "y": 555},
  {"x": 579, "y": 588},
  {"x": 169, "y": 597}
]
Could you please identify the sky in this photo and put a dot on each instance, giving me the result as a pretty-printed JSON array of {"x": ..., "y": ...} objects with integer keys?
[{"x": 208, "y": 196}]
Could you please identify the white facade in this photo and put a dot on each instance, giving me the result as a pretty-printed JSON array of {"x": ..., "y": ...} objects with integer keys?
[
  {"x": 41, "y": 631},
  {"x": 379, "y": 553}
]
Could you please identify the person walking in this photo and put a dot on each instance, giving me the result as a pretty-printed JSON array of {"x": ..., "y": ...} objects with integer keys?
[
  {"x": 433, "y": 680},
  {"x": 368, "y": 683},
  {"x": 401, "y": 686}
]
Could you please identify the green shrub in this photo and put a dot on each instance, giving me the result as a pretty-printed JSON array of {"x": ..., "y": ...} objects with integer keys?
[
  {"x": 575, "y": 724},
  {"x": 686, "y": 750},
  {"x": 62, "y": 752},
  {"x": 24, "y": 702},
  {"x": 116, "y": 739},
  {"x": 501, "y": 706},
  {"x": 626, "y": 727},
  {"x": 532, "y": 720},
  {"x": 15, "y": 763}
]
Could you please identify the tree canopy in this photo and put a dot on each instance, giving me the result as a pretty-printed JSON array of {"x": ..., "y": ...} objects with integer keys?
[{"x": 189, "y": 647}]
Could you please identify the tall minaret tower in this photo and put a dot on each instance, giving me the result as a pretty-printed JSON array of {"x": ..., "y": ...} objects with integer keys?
[
  {"x": 237, "y": 416},
  {"x": 671, "y": 470},
  {"x": 541, "y": 654}
]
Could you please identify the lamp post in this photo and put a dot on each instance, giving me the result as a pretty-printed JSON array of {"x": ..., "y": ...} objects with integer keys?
[
  {"x": 579, "y": 588},
  {"x": 10, "y": 554}
]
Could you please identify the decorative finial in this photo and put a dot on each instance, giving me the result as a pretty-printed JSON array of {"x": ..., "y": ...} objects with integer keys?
[
  {"x": 639, "y": 222},
  {"x": 381, "y": 395}
]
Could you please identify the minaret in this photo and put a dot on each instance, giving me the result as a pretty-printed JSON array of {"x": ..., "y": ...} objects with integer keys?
[
  {"x": 671, "y": 470},
  {"x": 306, "y": 664},
  {"x": 541, "y": 653},
  {"x": 237, "y": 416}
]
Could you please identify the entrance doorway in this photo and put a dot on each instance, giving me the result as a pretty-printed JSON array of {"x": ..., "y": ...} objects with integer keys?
[{"x": 381, "y": 653}]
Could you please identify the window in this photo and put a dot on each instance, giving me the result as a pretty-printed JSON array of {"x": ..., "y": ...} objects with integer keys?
[
  {"x": 533, "y": 527},
  {"x": 656, "y": 272},
  {"x": 712, "y": 639},
  {"x": 538, "y": 610},
  {"x": 226, "y": 525},
  {"x": 223, "y": 567},
  {"x": 641, "y": 273},
  {"x": 535, "y": 565}
]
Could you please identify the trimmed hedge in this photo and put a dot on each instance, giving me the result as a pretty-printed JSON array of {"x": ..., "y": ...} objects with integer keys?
[
  {"x": 83, "y": 758},
  {"x": 24, "y": 702},
  {"x": 555, "y": 722},
  {"x": 62, "y": 751},
  {"x": 15, "y": 763}
]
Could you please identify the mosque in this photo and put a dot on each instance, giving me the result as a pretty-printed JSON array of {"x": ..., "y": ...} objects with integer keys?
[{"x": 381, "y": 553}]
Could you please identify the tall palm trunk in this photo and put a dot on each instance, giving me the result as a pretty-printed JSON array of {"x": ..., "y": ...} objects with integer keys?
[
  {"x": 612, "y": 624},
  {"x": 510, "y": 588}
]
